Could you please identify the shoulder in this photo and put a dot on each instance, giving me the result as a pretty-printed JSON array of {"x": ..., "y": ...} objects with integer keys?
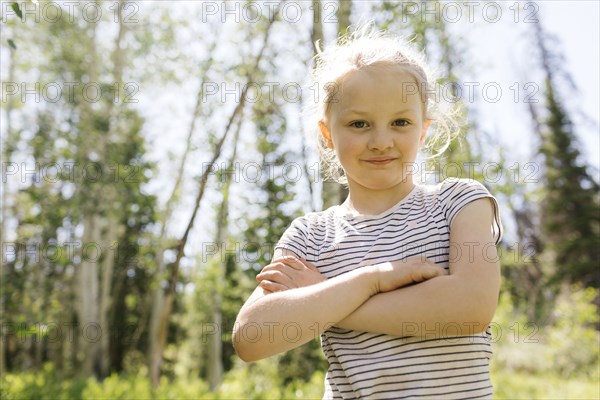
[
  {"x": 317, "y": 216},
  {"x": 317, "y": 219},
  {"x": 313, "y": 222},
  {"x": 454, "y": 185},
  {"x": 453, "y": 191},
  {"x": 456, "y": 193},
  {"x": 306, "y": 233}
]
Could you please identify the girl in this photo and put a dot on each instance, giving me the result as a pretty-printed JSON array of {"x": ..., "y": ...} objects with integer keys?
[{"x": 401, "y": 280}]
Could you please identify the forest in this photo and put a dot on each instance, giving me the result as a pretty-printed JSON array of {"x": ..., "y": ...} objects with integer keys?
[{"x": 153, "y": 153}]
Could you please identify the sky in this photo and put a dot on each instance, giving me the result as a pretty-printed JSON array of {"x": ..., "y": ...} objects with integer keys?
[{"x": 576, "y": 26}]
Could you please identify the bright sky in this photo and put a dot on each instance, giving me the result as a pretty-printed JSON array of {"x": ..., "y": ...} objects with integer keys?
[{"x": 505, "y": 56}]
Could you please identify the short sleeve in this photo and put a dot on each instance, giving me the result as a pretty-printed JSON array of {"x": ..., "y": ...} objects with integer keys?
[
  {"x": 457, "y": 193},
  {"x": 294, "y": 238}
]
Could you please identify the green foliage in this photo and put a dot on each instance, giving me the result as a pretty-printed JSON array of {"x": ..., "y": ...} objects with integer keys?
[
  {"x": 198, "y": 316},
  {"x": 301, "y": 362},
  {"x": 262, "y": 380},
  {"x": 556, "y": 357},
  {"x": 573, "y": 342},
  {"x": 15, "y": 6},
  {"x": 45, "y": 385},
  {"x": 138, "y": 387},
  {"x": 115, "y": 387},
  {"x": 102, "y": 137},
  {"x": 565, "y": 348},
  {"x": 557, "y": 361},
  {"x": 569, "y": 210},
  {"x": 511, "y": 386},
  {"x": 256, "y": 381},
  {"x": 526, "y": 278}
]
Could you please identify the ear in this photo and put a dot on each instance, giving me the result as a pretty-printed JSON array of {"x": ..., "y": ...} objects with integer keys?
[
  {"x": 426, "y": 125},
  {"x": 326, "y": 134}
]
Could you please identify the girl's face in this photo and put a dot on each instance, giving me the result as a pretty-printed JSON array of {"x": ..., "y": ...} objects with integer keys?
[{"x": 375, "y": 124}]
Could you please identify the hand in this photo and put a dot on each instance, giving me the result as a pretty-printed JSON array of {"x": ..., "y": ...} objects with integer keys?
[
  {"x": 288, "y": 273},
  {"x": 395, "y": 274}
]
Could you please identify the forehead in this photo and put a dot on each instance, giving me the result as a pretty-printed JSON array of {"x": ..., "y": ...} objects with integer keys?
[{"x": 377, "y": 87}]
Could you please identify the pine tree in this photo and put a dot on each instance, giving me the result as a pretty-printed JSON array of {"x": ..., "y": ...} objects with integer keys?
[{"x": 570, "y": 210}]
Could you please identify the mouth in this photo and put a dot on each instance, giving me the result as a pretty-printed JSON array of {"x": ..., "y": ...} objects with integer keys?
[{"x": 380, "y": 160}]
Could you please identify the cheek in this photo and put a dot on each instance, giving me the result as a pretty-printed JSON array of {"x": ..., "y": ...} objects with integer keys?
[
  {"x": 347, "y": 146},
  {"x": 341, "y": 150},
  {"x": 409, "y": 145}
]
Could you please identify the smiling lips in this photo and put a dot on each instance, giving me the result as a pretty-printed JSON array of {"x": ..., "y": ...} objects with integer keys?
[{"x": 380, "y": 160}]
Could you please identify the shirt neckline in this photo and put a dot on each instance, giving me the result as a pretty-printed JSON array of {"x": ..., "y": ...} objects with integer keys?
[{"x": 343, "y": 211}]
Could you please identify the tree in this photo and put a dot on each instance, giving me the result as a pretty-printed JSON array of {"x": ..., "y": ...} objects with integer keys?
[
  {"x": 570, "y": 208},
  {"x": 158, "y": 334},
  {"x": 84, "y": 209}
]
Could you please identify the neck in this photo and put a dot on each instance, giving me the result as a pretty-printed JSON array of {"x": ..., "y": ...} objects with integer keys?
[{"x": 372, "y": 202}]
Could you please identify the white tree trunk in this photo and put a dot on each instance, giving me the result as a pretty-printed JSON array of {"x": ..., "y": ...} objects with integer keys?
[
  {"x": 88, "y": 285},
  {"x": 108, "y": 262}
]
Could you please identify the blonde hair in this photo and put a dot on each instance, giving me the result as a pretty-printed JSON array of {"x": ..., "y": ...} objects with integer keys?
[{"x": 360, "y": 48}]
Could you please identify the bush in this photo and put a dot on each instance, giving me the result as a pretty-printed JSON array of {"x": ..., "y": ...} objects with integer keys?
[
  {"x": 255, "y": 381},
  {"x": 261, "y": 380},
  {"x": 44, "y": 385},
  {"x": 573, "y": 341},
  {"x": 520, "y": 385},
  {"x": 555, "y": 361}
]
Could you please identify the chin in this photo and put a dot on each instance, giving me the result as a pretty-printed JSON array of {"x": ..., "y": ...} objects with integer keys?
[{"x": 381, "y": 185}]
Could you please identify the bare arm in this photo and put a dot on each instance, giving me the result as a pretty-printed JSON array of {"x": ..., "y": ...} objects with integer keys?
[
  {"x": 461, "y": 303},
  {"x": 267, "y": 325}
]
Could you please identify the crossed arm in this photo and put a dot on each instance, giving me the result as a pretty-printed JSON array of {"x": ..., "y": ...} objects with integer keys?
[{"x": 377, "y": 298}]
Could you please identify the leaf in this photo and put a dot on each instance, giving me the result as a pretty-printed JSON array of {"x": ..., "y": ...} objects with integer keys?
[
  {"x": 15, "y": 6},
  {"x": 12, "y": 44}
]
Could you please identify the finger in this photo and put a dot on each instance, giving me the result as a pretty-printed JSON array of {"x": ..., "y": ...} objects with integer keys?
[
  {"x": 283, "y": 268},
  {"x": 279, "y": 264},
  {"x": 272, "y": 286},
  {"x": 292, "y": 262},
  {"x": 429, "y": 261},
  {"x": 310, "y": 266},
  {"x": 275, "y": 276},
  {"x": 431, "y": 271},
  {"x": 283, "y": 259}
]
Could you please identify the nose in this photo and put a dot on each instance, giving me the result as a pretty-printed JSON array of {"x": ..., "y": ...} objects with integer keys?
[{"x": 380, "y": 139}]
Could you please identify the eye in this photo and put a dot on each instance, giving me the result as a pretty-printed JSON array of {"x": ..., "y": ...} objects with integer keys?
[
  {"x": 358, "y": 124},
  {"x": 402, "y": 122}
]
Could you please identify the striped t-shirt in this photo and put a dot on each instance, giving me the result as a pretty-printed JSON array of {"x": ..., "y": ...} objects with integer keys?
[{"x": 369, "y": 365}]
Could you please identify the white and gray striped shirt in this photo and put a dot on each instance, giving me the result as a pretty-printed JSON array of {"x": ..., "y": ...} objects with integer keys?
[{"x": 370, "y": 365}]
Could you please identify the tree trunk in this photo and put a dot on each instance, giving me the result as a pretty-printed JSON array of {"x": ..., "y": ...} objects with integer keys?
[
  {"x": 215, "y": 349},
  {"x": 344, "y": 11},
  {"x": 157, "y": 301},
  {"x": 159, "y": 336},
  {"x": 114, "y": 226},
  {"x": 88, "y": 275},
  {"x": 6, "y": 271},
  {"x": 108, "y": 263},
  {"x": 88, "y": 296}
]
